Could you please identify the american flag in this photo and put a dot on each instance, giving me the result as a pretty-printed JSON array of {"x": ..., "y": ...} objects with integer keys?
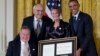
[{"x": 50, "y": 4}]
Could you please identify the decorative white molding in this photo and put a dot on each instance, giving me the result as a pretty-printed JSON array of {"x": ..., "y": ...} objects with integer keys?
[
  {"x": 6, "y": 24},
  {"x": 9, "y": 20},
  {"x": 2, "y": 26}
]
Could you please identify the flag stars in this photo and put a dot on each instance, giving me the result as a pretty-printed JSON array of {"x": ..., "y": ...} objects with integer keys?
[
  {"x": 48, "y": 3},
  {"x": 52, "y": 4},
  {"x": 59, "y": 5}
]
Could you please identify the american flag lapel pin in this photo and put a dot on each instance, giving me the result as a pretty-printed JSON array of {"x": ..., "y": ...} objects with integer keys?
[{"x": 33, "y": 49}]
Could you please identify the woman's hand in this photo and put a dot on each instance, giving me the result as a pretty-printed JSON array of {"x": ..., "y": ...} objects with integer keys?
[{"x": 50, "y": 38}]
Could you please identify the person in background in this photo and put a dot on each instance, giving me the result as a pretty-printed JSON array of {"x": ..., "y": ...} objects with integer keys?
[
  {"x": 82, "y": 27},
  {"x": 37, "y": 24},
  {"x": 21, "y": 47},
  {"x": 59, "y": 28}
]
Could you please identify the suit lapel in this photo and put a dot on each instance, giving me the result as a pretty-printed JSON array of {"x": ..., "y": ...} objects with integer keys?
[
  {"x": 33, "y": 29},
  {"x": 17, "y": 49},
  {"x": 71, "y": 24},
  {"x": 32, "y": 49},
  {"x": 79, "y": 20},
  {"x": 43, "y": 26},
  {"x": 32, "y": 22},
  {"x": 78, "y": 24}
]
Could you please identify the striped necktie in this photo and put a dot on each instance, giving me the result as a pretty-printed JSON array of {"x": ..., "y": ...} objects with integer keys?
[{"x": 38, "y": 28}]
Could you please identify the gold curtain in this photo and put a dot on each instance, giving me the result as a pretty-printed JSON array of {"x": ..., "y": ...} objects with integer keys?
[
  {"x": 24, "y": 8},
  {"x": 65, "y": 10}
]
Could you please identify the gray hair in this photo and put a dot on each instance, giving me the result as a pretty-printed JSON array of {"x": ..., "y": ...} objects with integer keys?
[{"x": 37, "y": 5}]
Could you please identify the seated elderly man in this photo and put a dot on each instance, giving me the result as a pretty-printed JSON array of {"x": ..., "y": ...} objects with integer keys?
[{"x": 21, "y": 47}]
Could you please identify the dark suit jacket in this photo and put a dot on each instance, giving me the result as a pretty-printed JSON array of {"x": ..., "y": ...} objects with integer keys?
[
  {"x": 84, "y": 34},
  {"x": 14, "y": 48},
  {"x": 29, "y": 21}
]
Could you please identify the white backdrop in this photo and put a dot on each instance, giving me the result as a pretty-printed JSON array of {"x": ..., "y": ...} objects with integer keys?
[{"x": 6, "y": 24}]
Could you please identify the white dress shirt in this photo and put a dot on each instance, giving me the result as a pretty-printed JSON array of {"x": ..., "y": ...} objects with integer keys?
[
  {"x": 76, "y": 15},
  {"x": 36, "y": 21}
]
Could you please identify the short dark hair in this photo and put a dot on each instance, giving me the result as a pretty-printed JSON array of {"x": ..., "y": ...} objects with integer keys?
[
  {"x": 76, "y": 1},
  {"x": 25, "y": 27},
  {"x": 56, "y": 8}
]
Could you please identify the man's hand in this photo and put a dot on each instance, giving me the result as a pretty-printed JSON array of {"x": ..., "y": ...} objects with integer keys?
[{"x": 78, "y": 52}]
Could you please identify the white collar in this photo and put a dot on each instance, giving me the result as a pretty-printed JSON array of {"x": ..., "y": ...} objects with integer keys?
[
  {"x": 22, "y": 42},
  {"x": 35, "y": 19},
  {"x": 76, "y": 15}
]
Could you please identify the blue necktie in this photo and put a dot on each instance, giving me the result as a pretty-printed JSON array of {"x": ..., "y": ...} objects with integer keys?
[{"x": 75, "y": 22}]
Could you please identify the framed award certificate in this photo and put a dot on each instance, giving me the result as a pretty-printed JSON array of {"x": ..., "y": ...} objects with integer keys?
[{"x": 58, "y": 47}]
